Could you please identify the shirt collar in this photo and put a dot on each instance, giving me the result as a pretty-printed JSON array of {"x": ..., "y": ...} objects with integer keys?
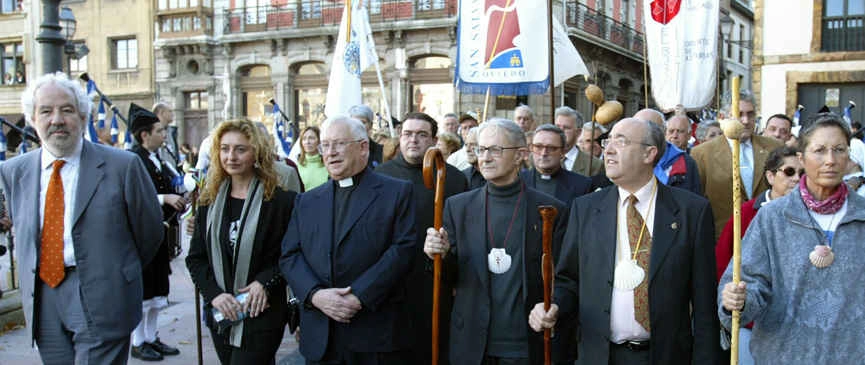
[
  {"x": 643, "y": 195},
  {"x": 572, "y": 154},
  {"x": 71, "y": 160},
  {"x": 741, "y": 144}
]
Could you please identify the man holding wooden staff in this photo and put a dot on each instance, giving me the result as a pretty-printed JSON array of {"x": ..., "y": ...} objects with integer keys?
[
  {"x": 491, "y": 244},
  {"x": 417, "y": 136},
  {"x": 635, "y": 272}
]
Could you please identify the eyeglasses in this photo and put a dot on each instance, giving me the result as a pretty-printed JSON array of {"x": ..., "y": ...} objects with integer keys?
[
  {"x": 495, "y": 151},
  {"x": 790, "y": 171},
  {"x": 339, "y": 146},
  {"x": 418, "y": 134},
  {"x": 540, "y": 148},
  {"x": 620, "y": 142},
  {"x": 822, "y": 151}
]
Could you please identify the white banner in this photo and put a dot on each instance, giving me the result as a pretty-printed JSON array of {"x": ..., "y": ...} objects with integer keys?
[
  {"x": 567, "y": 61},
  {"x": 350, "y": 59},
  {"x": 682, "y": 41},
  {"x": 503, "y": 45}
]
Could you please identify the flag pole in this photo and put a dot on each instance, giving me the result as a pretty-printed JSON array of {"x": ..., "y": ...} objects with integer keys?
[
  {"x": 550, "y": 52},
  {"x": 384, "y": 100},
  {"x": 486, "y": 105},
  {"x": 348, "y": 21},
  {"x": 645, "y": 70}
]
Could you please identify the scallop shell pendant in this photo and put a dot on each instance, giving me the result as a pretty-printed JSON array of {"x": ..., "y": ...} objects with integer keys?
[
  {"x": 628, "y": 275},
  {"x": 498, "y": 261},
  {"x": 822, "y": 256}
]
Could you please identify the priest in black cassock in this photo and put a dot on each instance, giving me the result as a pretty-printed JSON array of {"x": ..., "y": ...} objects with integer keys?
[
  {"x": 492, "y": 247},
  {"x": 150, "y": 135},
  {"x": 418, "y": 135},
  {"x": 547, "y": 173}
]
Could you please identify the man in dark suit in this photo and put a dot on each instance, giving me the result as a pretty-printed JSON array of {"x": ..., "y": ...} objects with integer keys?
[
  {"x": 150, "y": 136},
  {"x": 491, "y": 240},
  {"x": 86, "y": 221},
  {"x": 716, "y": 172},
  {"x": 548, "y": 176},
  {"x": 472, "y": 174},
  {"x": 636, "y": 273},
  {"x": 417, "y": 135},
  {"x": 346, "y": 253},
  {"x": 364, "y": 114}
]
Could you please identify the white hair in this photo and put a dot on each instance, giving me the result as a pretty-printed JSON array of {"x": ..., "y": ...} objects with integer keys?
[
  {"x": 356, "y": 127},
  {"x": 83, "y": 105},
  {"x": 513, "y": 133},
  {"x": 587, "y": 126}
]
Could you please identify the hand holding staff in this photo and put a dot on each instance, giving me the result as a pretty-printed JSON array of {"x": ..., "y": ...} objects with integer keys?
[
  {"x": 433, "y": 161},
  {"x": 733, "y": 130},
  {"x": 548, "y": 215}
]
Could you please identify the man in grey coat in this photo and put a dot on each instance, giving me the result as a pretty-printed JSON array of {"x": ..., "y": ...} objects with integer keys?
[{"x": 85, "y": 222}]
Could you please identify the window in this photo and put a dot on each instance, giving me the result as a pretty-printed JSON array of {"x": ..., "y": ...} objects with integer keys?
[
  {"x": 843, "y": 25},
  {"x": 430, "y": 5},
  {"x": 196, "y": 100},
  {"x": 742, "y": 37},
  {"x": 10, "y": 6},
  {"x": 12, "y": 63},
  {"x": 124, "y": 54},
  {"x": 79, "y": 65},
  {"x": 375, "y": 6},
  {"x": 310, "y": 9}
]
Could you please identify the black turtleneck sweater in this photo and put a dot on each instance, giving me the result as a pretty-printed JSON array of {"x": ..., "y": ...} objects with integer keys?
[{"x": 508, "y": 323}]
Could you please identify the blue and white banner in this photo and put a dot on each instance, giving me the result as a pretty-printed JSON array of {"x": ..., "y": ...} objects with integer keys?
[
  {"x": 354, "y": 53},
  {"x": 502, "y": 45}
]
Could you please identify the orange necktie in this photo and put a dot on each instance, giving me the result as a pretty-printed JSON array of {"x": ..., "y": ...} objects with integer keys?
[
  {"x": 641, "y": 292},
  {"x": 51, "y": 267}
]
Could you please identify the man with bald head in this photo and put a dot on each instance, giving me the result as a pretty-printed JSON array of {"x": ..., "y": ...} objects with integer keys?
[
  {"x": 346, "y": 253},
  {"x": 636, "y": 273},
  {"x": 676, "y": 167},
  {"x": 678, "y": 131},
  {"x": 714, "y": 161}
]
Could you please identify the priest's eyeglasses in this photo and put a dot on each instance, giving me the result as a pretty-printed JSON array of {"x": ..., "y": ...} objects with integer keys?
[
  {"x": 620, "y": 142},
  {"x": 339, "y": 146},
  {"x": 495, "y": 151}
]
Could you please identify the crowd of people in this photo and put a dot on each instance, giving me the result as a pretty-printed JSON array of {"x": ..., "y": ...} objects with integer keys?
[{"x": 342, "y": 236}]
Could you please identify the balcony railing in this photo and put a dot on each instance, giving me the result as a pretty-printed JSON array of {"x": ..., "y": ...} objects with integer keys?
[
  {"x": 843, "y": 33},
  {"x": 590, "y": 21},
  {"x": 317, "y": 13}
]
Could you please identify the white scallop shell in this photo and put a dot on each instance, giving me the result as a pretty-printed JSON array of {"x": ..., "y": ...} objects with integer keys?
[
  {"x": 628, "y": 275},
  {"x": 821, "y": 262},
  {"x": 498, "y": 261}
]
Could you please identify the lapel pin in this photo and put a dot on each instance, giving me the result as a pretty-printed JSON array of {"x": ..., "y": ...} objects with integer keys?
[{"x": 674, "y": 225}]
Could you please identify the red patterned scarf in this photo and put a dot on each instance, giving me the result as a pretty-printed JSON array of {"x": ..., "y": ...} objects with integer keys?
[{"x": 829, "y": 205}]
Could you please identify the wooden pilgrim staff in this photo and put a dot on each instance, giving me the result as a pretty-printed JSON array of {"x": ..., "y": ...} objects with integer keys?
[
  {"x": 733, "y": 130},
  {"x": 434, "y": 162},
  {"x": 548, "y": 215}
]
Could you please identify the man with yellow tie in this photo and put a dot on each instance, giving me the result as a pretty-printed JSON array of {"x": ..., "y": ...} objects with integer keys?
[{"x": 85, "y": 223}]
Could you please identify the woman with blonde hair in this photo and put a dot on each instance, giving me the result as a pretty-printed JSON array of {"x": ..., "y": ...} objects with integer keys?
[
  {"x": 309, "y": 163},
  {"x": 234, "y": 253}
]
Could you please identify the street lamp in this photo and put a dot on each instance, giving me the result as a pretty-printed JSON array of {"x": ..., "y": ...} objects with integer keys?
[
  {"x": 727, "y": 31},
  {"x": 50, "y": 40},
  {"x": 68, "y": 25}
]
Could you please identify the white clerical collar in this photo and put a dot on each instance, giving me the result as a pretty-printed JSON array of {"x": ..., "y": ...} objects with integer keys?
[
  {"x": 48, "y": 159},
  {"x": 643, "y": 194},
  {"x": 546, "y": 177},
  {"x": 345, "y": 183}
]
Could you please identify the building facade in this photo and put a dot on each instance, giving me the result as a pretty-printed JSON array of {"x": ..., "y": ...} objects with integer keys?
[
  {"x": 224, "y": 59},
  {"x": 736, "y": 46},
  {"x": 809, "y": 53},
  {"x": 16, "y": 56}
]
